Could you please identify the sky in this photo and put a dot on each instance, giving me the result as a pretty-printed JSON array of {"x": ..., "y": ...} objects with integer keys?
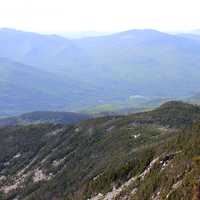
[{"x": 99, "y": 15}]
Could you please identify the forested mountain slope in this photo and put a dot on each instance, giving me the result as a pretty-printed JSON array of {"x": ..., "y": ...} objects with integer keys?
[{"x": 142, "y": 156}]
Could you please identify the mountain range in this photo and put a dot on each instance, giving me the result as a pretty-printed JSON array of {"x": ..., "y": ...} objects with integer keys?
[{"x": 74, "y": 74}]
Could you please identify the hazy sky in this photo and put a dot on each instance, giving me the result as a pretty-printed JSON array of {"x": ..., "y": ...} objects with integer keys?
[{"x": 99, "y": 15}]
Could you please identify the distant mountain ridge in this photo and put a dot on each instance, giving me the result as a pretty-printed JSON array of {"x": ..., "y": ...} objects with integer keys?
[
  {"x": 76, "y": 74},
  {"x": 26, "y": 88},
  {"x": 39, "y": 117}
]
